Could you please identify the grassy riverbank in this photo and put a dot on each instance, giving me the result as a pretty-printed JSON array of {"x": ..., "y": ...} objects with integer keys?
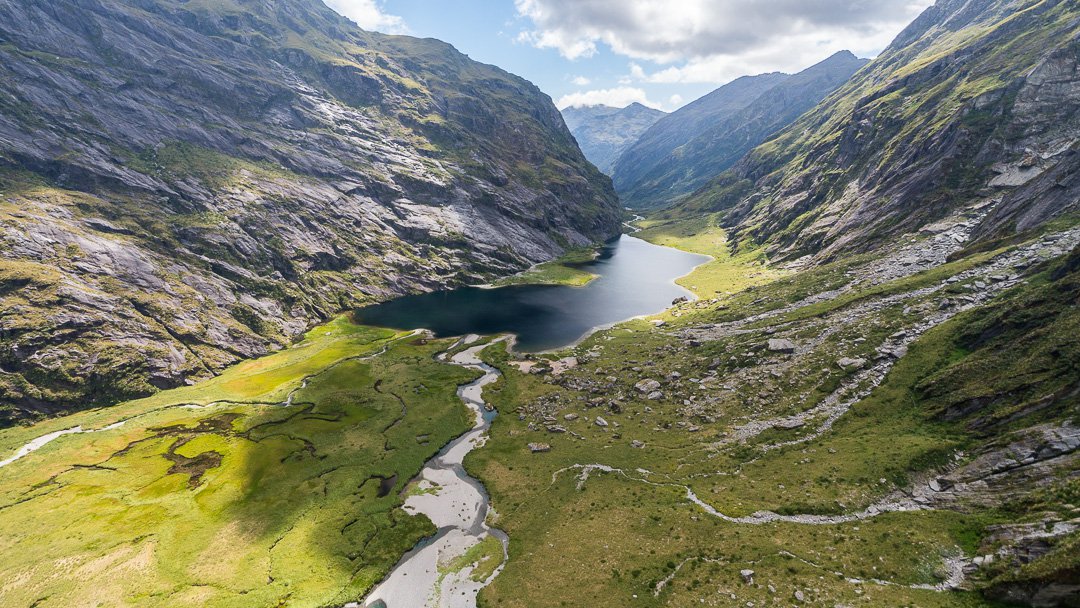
[{"x": 242, "y": 501}]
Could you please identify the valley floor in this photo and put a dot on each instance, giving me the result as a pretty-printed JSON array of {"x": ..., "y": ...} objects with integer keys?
[
  {"x": 896, "y": 430},
  {"x": 889, "y": 431}
]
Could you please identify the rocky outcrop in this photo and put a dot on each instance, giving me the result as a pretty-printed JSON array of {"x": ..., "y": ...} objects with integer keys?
[
  {"x": 604, "y": 133},
  {"x": 186, "y": 184}
]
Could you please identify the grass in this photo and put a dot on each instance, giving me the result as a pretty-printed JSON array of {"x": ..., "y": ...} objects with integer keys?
[
  {"x": 642, "y": 531},
  {"x": 726, "y": 274},
  {"x": 235, "y": 504},
  {"x": 567, "y": 270}
]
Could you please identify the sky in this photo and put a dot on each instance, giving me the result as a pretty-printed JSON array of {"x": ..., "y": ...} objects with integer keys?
[{"x": 661, "y": 53}]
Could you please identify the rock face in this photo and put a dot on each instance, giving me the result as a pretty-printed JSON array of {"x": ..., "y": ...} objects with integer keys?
[
  {"x": 186, "y": 184},
  {"x": 975, "y": 106},
  {"x": 683, "y": 151},
  {"x": 604, "y": 132}
]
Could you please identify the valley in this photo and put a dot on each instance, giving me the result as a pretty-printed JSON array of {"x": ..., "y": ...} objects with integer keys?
[{"x": 297, "y": 313}]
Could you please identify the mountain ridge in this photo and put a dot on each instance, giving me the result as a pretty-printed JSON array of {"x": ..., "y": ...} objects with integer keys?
[
  {"x": 168, "y": 169},
  {"x": 942, "y": 119},
  {"x": 604, "y": 132},
  {"x": 652, "y": 174}
]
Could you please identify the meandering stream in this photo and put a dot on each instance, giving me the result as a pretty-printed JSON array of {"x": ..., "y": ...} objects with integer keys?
[{"x": 457, "y": 504}]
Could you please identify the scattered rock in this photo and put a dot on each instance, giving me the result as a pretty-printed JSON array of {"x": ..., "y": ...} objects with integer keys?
[
  {"x": 747, "y": 576},
  {"x": 637, "y": 444},
  {"x": 538, "y": 448},
  {"x": 600, "y": 422}
]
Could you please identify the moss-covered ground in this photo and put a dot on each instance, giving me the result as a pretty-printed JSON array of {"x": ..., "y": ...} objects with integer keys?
[{"x": 219, "y": 495}]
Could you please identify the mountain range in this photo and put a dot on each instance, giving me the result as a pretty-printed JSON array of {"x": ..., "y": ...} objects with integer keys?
[{"x": 683, "y": 150}]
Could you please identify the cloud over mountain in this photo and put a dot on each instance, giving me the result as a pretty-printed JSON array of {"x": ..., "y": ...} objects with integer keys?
[{"x": 715, "y": 40}]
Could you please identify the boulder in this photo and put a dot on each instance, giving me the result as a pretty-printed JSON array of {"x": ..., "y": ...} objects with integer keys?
[
  {"x": 780, "y": 345},
  {"x": 647, "y": 386},
  {"x": 537, "y": 448},
  {"x": 848, "y": 363}
]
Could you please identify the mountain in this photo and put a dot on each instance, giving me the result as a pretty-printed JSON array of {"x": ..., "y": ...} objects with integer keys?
[
  {"x": 604, "y": 133},
  {"x": 682, "y": 153},
  {"x": 662, "y": 139},
  {"x": 973, "y": 109},
  {"x": 184, "y": 184}
]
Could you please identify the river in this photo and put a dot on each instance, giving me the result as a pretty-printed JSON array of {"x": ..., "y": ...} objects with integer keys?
[{"x": 634, "y": 278}]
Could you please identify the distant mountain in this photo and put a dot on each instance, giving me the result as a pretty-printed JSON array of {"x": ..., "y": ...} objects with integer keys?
[
  {"x": 604, "y": 132},
  {"x": 972, "y": 109},
  {"x": 186, "y": 184},
  {"x": 691, "y": 146}
]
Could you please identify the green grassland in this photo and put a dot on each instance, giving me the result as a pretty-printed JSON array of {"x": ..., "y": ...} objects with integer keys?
[
  {"x": 614, "y": 538},
  {"x": 235, "y": 500},
  {"x": 566, "y": 270},
  {"x": 727, "y": 273}
]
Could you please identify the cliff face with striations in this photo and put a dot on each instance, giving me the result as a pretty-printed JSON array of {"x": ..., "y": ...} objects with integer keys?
[{"x": 187, "y": 183}]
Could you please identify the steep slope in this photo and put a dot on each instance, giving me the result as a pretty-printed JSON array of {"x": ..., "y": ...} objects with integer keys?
[
  {"x": 604, "y": 132},
  {"x": 675, "y": 129},
  {"x": 715, "y": 144},
  {"x": 977, "y": 103},
  {"x": 185, "y": 184}
]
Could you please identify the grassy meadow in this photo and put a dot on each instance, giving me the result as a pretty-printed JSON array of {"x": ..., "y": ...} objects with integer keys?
[{"x": 219, "y": 495}]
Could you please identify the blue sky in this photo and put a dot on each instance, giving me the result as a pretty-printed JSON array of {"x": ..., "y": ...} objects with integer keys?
[{"x": 663, "y": 53}]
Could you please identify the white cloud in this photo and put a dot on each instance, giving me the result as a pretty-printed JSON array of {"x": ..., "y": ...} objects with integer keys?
[
  {"x": 716, "y": 40},
  {"x": 675, "y": 101},
  {"x": 618, "y": 97},
  {"x": 581, "y": 81},
  {"x": 369, "y": 15}
]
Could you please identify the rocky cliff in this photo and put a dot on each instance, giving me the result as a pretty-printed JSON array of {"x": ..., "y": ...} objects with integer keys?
[
  {"x": 682, "y": 153},
  {"x": 185, "y": 183},
  {"x": 975, "y": 105},
  {"x": 604, "y": 133}
]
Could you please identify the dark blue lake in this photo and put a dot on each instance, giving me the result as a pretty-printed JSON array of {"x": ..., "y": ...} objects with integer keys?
[{"x": 636, "y": 278}]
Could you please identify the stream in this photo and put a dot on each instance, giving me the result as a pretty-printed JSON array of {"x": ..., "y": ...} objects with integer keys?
[{"x": 456, "y": 503}]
